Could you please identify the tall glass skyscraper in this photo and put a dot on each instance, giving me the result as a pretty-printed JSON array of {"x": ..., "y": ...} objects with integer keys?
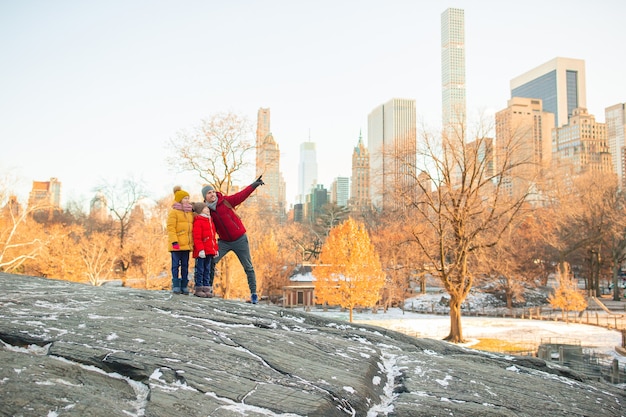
[
  {"x": 453, "y": 71},
  {"x": 340, "y": 191},
  {"x": 392, "y": 143},
  {"x": 559, "y": 83},
  {"x": 307, "y": 170}
]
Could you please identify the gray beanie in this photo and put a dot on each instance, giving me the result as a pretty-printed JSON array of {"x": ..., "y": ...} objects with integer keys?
[{"x": 206, "y": 189}]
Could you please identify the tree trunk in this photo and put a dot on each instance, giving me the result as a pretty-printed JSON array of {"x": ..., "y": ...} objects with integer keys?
[
  {"x": 589, "y": 279},
  {"x": 350, "y": 314},
  {"x": 615, "y": 280},
  {"x": 456, "y": 332},
  {"x": 594, "y": 273},
  {"x": 509, "y": 297},
  {"x": 543, "y": 274}
]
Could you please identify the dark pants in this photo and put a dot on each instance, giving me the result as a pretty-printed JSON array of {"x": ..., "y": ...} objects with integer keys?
[
  {"x": 242, "y": 250},
  {"x": 180, "y": 262},
  {"x": 202, "y": 275}
]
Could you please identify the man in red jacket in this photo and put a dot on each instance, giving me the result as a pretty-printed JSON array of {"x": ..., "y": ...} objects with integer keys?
[{"x": 231, "y": 231}]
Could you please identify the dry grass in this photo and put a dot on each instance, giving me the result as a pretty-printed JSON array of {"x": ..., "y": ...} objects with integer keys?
[{"x": 499, "y": 346}]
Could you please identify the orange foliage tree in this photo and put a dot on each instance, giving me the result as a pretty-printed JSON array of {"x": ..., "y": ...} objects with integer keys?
[
  {"x": 147, "y": 249},
  {"x": 60, "y": 259},
  {"x": 271, "y": 265},
  {"x": 350, "y": 273},
  {"x": 567, "y": 297},
  {"x": 400, "y": 258}
]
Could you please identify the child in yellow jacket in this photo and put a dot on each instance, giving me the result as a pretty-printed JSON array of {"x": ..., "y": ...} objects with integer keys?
[{"x": 179, "y": 234}]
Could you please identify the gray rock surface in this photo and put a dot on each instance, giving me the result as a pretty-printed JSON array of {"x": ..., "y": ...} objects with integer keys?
[{"x": 76, "y": 350}]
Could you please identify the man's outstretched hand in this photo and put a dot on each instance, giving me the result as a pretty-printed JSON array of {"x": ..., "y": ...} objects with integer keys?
[{"x": 258, "y": 182}]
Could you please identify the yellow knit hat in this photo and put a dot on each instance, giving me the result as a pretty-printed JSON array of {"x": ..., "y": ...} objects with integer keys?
[{"x": 179, "y": 194}]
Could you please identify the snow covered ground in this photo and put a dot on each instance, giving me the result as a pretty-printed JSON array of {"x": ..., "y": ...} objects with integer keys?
[{"x": 598, "y": 340}]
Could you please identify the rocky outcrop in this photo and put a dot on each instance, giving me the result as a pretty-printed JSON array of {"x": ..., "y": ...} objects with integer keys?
[{"x": 75, "y": 350}]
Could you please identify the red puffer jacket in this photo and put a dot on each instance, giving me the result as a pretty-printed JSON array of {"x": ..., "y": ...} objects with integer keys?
[
  {"x": 227, "y": 223},
  {"x": 204, "y": 236}
]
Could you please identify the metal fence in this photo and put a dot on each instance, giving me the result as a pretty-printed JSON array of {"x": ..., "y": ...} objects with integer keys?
[
  {"x": 593, "y": 365},
  {"x": 594, "y": 318}
]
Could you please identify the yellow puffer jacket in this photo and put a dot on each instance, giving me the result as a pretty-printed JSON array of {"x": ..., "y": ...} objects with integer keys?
[{"x": 179, "y": 229}]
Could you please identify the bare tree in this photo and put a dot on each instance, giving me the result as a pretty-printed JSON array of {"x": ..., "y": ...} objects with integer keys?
[
  {"x": 581, "y": 219},
  {"x": 616, "y": 242},
  {"x": 469, "y": 210},
  {"x": 330, "y": 216},
  {"x": 21, "y": 238},
  {"x": 400, "y": 257},
  {"x": 121, "y": 200},
  {"x": 515, "y": 262},
  {"x": 98, "y": 257},
  {"x": 217, "y": 150},
  {"x": 598, "y": 196},
  {"x": 146, "y": 248},
  {"x": 603, "y": 225},
  {"x": 305, "y": 243}
]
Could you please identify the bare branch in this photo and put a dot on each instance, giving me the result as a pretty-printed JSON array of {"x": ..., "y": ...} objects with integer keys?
[{"x": 216, "y": 150}]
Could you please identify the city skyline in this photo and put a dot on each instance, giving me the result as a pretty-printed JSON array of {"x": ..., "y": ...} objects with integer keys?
[{"x": 94, "y": 91}]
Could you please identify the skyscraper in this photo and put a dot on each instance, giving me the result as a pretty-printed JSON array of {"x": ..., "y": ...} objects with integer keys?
[
  {"x": 340, "y": 191},
  {"x": 615, "y": 118},
  {"x": 360, "y": 185},
  {"x": 453, "y": 72},
  {"x": 98, "y": 208},
  {"x": 392, "y": 143},
  {"x": 524, "y": 137},
  {"x": 582, "y": 144},
  {"x": 45, "y": 193},
  {"x": 307, "y": 170},
  {"x": 262, "y": 129},
  {"x": 483, "y": 148},
  {"x": 316, "y": 199},
  {"x": 273, "y": 193},
  {"x": 559, "y": 83}
]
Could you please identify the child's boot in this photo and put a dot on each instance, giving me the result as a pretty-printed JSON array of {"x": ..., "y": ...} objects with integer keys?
[
  {"x": 200, "y": 292},
  {"x": 176, "y": 285}
]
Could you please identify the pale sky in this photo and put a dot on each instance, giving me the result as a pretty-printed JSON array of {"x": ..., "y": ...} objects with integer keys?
[{"x": 91, "y": 91}]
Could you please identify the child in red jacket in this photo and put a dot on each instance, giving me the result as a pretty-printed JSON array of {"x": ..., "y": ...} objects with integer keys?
[{"x": 204, "y": 249}]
